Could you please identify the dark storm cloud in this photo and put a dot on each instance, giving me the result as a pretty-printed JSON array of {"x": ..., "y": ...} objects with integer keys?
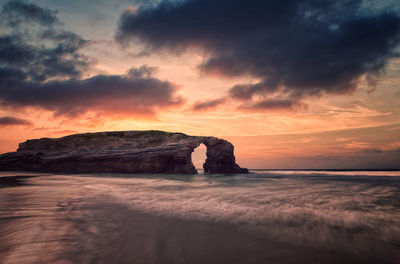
[
  {"x": 20, "y": 11},
  {"x": 12, "y": 121},
  {"x": 41, "y": 65},
  {"x": 209, "y": 104},
  {"x": 373, "y": 151},
  {"x": 39, "y": 48},
  {"x": 271, "y": 104},
  {"x": 114, "y": 93},
  {"x": 295, "y": 48},
  {"x": 143, "y": 71}
]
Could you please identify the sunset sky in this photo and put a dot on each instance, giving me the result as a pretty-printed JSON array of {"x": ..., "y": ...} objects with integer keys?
[{"x": 292, "y": 84}]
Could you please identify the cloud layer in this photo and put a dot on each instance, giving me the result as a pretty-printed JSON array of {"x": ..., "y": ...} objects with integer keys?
[
  {"x": 13, "y": 121},
  {"x": 42, "y": 65},
  {"x": 296, "y": 49},
  {"x": 206, "y": 105}
]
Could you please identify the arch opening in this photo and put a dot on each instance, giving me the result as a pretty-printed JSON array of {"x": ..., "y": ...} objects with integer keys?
[{"x": 199, "y": 158}]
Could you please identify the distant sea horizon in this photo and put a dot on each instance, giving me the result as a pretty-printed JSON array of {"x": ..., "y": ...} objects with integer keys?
[{"x": 389, "y": 169}]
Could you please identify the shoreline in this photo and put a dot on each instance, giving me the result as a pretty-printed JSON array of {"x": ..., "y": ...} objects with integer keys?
[{"x": 65, "y": 219}]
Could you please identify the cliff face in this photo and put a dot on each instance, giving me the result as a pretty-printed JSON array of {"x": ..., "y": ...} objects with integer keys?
[{"x": 121, "y": 152}]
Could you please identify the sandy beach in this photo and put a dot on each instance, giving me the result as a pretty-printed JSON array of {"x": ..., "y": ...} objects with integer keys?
[{"x": 104, "y": 219}]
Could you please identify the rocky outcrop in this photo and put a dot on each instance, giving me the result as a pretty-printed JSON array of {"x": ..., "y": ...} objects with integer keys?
[{"x": 121, "y": 152}]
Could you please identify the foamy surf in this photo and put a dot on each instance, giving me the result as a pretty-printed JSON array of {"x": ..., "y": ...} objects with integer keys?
[{"x": 351, "y": 214}]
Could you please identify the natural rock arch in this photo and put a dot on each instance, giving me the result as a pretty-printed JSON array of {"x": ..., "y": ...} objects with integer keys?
[
  {"x": 199, "y": 157},
  {"x": 220, "y": 157},
  {"x": 121, "y": 152}
]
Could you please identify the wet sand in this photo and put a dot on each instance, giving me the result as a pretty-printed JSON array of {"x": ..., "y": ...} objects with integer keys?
[
  {"x": 110, "y": 233},
  {"x": 145, "y": 238},
  {"x": 54, "y": 220}
]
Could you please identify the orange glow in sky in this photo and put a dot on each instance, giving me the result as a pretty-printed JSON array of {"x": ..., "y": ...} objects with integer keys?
[{"x": 355, "y": 127}]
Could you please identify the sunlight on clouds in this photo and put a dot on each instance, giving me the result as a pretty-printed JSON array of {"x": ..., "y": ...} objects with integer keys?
[{"x": 291, "y": 132}]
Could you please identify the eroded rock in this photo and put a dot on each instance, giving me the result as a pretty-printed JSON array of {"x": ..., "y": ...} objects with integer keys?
[{"x": 121, "y": 152}]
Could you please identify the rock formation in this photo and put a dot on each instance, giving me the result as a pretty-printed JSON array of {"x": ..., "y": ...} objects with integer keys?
[{"x": 121, "y": 152}]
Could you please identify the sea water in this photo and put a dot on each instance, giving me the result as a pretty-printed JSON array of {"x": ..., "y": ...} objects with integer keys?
[{"x": 268, "y": 216}]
